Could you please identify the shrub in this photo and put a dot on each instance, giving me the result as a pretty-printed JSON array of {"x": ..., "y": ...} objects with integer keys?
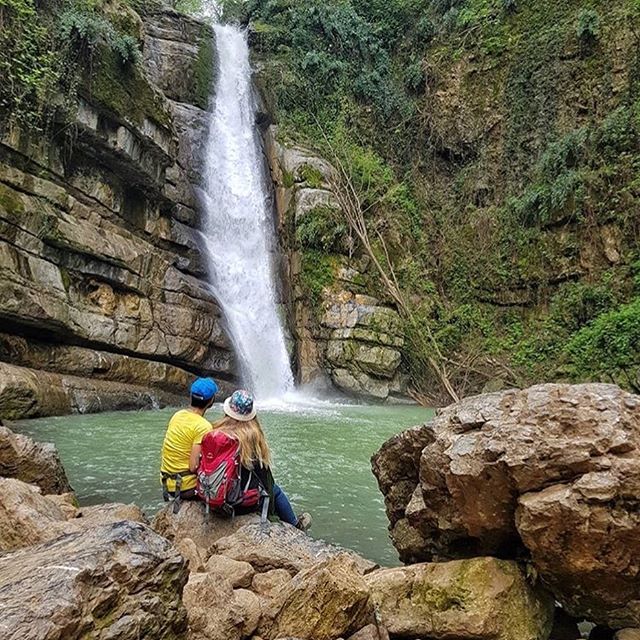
[
  {"x": 609, "y": 346},
  {"x": 588, "y": 27}
]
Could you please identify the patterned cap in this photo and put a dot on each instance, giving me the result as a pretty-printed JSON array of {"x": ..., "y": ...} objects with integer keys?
[{"x": 240, "y": 406}]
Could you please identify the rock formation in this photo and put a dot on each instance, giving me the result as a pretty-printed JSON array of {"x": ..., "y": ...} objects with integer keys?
[
  {"x": 33, "y": 462},
  {"x": 113, "y": 581},
  {"x": 552, "y": 472},
  {"x": 104, "y": 302},
  {"x": 478, "y": 598},
  {"x": 344, "y": 336}
]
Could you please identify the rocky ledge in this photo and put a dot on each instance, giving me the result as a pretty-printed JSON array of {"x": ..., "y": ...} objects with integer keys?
[{"x": 549, "y": 475}]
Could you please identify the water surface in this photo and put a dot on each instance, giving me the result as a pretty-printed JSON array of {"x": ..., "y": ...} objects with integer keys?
[{"x": 321, "y": 458}]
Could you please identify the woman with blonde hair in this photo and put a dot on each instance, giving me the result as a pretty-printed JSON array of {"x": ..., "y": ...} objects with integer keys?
[{"x": 241, "y": 423}]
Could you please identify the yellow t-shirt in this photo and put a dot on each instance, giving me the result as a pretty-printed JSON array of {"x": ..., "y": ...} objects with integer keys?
[{"x": 184, "y": 430}]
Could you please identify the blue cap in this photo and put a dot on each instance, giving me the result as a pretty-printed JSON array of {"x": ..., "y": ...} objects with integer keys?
[{"x": 204, "y": 389}]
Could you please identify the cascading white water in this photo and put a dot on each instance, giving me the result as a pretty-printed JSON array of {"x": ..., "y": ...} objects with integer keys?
[{"x": 238, "y": 224}]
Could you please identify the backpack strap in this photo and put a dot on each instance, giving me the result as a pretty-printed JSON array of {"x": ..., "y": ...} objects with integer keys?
[{"x": 177, "y": 478}]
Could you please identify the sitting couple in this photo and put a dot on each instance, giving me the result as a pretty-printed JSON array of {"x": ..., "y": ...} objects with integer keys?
[{"x": 183, "y": 446}]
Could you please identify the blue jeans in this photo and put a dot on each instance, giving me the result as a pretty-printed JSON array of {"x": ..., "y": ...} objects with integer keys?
[{"x": 283, "y": 508}]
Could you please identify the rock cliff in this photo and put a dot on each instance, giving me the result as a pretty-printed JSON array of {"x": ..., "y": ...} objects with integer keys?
[
  {"x": 344, "y": 336},
  {"x": 104, "y": 301}
]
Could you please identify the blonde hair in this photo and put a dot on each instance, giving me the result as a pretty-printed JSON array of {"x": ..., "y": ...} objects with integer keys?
[{"x": 251, "y": 438}]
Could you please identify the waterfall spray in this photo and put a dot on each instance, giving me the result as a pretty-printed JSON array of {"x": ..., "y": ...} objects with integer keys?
[{"x": 239, "y": 226}]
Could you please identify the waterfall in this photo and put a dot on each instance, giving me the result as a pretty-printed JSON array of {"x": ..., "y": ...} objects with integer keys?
[{"x": 238, "y": 224}]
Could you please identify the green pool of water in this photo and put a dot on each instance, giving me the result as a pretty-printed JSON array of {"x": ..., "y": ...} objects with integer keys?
[{"x": 321, "y": 459}]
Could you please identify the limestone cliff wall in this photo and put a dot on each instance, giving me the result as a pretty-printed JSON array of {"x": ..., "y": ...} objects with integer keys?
[
  {"x": 104, "y": 301},
  {"x": 345, "y": 337}
]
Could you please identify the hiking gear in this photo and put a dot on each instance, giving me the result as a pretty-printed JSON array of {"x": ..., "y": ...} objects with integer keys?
[
  {"x": 219, "y": 478},
  {"x": 304, "y": 522},
  {"x": 239, "y": 406},
  {"x": 185, "y": 429},
  {"x": 177, "y": 494},
  {"x": 204, "y": 389}
]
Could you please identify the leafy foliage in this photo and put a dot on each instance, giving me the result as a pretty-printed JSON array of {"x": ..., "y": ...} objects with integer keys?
[{"x": 44, "y": 47}]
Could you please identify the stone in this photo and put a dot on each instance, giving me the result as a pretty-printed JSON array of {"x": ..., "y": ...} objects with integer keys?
[
  {"x": 323, "y": 602},
  {"x": 370, "y": 632},
  {"x": 190, "y": 552},
  {"x": 209, "y": 604},
  {"x": 360, "y": 384},
  {"x": 236, "y": 572},
  {"x": 67, "y": 502},
  {"x": 478, "y": 598},
  {"x": 26, "y": 516},
  {"x": 249, "y": 607},
  {"x": 270, "y": 583},
  {"x": 32, "y": 462},
  {"x": 192, "y": 522},
  {"x": 281, "y": 546},
  {"x": 29, "y": 393},
  {"x": 110, "y": 512},
  {"x": 627, "y": 634},
  {"x": 551, "y": 471},
  {"x": 113, "y": 581}
]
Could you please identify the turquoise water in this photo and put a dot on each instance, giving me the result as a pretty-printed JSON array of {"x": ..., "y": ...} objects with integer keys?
[{"x": 321, "y": 459}]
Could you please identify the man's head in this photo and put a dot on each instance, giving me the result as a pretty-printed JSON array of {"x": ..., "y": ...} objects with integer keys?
[{"x": 203, "y": 391}]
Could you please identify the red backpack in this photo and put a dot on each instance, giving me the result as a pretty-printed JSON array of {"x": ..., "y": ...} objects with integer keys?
[{"x": 218, "y": 476}]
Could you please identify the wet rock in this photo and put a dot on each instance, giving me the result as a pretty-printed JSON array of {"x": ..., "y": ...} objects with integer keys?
[
  {"x": 114, "y": 581},
  {"x": 281, "y": 546},
  {"x": 32, "y": 462},
  {"x": 237, "y": 573},
  {"x": 192, "y": 522},
  {"x": 326, "y": 601},
  {"x": 479, "y": 598},
  {"x": 552, "y": 470}
]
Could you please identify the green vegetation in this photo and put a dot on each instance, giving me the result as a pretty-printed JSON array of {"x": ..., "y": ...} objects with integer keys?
[
  {"x": 495, "y": 148},
  {"x": 46, "y": 48}
]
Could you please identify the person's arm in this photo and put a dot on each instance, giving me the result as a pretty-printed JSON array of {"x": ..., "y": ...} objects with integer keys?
[{"x": 194, "y": 458}]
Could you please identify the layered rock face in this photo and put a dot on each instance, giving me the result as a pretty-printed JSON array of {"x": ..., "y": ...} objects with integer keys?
[
  {"x": 118, "y": 580},
  {"x": 104, "y": 302},
  {"x": 552, "y": 472},
  {"x": 344, "y": 336}
]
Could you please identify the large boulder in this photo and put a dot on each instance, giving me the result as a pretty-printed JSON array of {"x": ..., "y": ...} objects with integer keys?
[
  {"x": 114, "y": 581},
  {"x": 281, "y": 546},
  {"x": 553, "y": 471},
  {"x": 326, "y": 601},
  {"x": 483, "y": 598},
  {"x": 192, "y": 522},
  {"x": 26, "y": 516},
  {"x": 32, "y": 462}
]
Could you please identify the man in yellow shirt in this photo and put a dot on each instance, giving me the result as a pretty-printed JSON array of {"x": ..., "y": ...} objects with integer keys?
[{"x": 181, "y": 447}]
